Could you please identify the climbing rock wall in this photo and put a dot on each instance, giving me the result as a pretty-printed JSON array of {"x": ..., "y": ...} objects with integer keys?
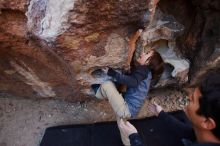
[
  {"x": 52, "y": 48},
  {"x": 55, "y": 49},
  {"x": 161, "y": 35},
  {"x": 200, "y": 40}
]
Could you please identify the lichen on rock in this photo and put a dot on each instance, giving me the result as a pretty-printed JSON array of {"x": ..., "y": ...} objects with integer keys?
[{"x": 49, "y": 18}]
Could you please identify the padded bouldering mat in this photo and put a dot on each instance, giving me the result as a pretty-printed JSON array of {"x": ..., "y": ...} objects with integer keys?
[{"x": 152, "y": 131}]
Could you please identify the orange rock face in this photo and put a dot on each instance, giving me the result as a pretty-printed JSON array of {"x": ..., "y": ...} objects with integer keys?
[
  {"x": 50, "y": 49},
  {"x": 33, "y": 66}
]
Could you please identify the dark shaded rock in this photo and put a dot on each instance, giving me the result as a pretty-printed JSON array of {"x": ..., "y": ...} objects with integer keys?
[{"x": 200, "y": 41}]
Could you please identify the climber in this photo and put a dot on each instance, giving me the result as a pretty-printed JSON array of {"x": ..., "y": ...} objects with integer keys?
[
  {"x": 202, "y": 110},
  {"x": 149, "y": 66}
]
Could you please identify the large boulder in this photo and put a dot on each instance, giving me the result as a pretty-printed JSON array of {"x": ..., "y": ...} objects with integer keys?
[
  {"x": 56, "y": 48},
  {"x": 52, "y": 48}
]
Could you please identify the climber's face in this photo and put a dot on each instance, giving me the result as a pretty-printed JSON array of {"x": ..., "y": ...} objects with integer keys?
[{"x": 145, "y": 57}]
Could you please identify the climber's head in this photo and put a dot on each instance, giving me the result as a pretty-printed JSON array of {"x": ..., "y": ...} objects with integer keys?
[{"x": 154, "y": 61}]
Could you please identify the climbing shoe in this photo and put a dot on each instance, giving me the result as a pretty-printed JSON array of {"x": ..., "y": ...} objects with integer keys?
[{"x": 95, "y": 87}]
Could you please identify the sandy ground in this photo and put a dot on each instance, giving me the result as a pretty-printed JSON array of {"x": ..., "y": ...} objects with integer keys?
[{"x": 23, "y": 121}]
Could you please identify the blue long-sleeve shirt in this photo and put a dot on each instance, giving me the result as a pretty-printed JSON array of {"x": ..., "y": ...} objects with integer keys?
[
  {"x": 138, "y": 74},
  {"x": 138, "y": 83}
]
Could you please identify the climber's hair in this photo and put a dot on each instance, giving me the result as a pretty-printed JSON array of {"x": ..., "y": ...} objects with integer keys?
[{"x": 156, "y": 64}]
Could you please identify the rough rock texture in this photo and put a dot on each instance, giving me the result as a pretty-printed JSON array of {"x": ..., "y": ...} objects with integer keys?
[
  {"x": 161, "y": 35},
  {"x": 201, "y": 39},
  {"x": 62, "y": 66},
  {"x": 54, "y": 49}
]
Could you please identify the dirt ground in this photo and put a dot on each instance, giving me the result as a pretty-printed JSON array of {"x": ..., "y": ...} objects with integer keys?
[{"x": 23, "y": 121}]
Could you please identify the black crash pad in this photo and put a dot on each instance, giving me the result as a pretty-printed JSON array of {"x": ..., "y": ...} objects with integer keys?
[{"x": 151, "y": 130}]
